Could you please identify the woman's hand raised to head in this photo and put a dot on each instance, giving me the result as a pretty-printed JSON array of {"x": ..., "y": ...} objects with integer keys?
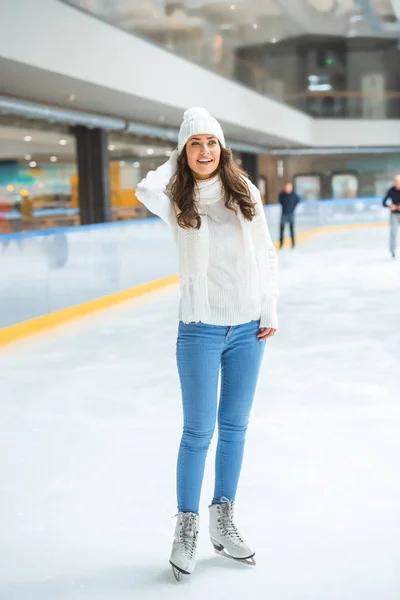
[{"x": 265, "y": 333}]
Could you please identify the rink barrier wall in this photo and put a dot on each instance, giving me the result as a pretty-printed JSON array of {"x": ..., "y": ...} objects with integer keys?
[
  {"x": 47, "y": 271},
  {"x": 25, "y": 329},
  {"x": 13, "y": 215}
]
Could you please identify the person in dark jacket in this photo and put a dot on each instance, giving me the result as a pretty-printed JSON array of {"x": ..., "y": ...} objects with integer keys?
[
  {"x": 289, "y": 200},
  {"x": 392, "y": 201}
]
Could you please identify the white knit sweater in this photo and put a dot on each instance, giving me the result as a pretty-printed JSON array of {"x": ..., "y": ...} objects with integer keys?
[{"x": 228, "y": 268}]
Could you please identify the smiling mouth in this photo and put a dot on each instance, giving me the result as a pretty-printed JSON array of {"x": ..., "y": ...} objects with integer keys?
[{"x": 205, "y": 161}]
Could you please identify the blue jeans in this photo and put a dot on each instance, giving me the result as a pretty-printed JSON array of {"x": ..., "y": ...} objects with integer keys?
[
  {"x": 394, "y": 223},
  {"x": 202, "y": 352}
]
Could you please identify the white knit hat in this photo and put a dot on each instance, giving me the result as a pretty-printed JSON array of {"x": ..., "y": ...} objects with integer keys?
[{"x": 198, "y": 120}]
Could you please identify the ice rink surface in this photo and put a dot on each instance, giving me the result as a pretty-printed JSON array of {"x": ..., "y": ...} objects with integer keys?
[{"x": 90, "y": 424}]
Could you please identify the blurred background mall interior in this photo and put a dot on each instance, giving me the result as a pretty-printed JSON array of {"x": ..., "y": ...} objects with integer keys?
[{"x": 305, "y": 69}]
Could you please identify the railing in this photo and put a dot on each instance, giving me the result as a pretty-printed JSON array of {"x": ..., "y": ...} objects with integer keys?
[
  {"x": 350, "y": 104},
  {"x": 216, "y": 52},
  {"x": 45, "y": 271},
  {"x": 318, "y": 213}
]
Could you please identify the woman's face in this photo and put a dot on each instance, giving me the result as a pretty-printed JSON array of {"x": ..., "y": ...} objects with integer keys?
[{"x": 203, "y": 154}]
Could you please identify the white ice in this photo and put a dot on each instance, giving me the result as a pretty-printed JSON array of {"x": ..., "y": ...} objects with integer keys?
[{"x": 91, "y": 420}]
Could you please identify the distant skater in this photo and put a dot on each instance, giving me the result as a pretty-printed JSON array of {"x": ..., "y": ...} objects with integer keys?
[
  {"x": 392, "y": 201},
  {"x": 228, "y": 281},
  {"x": 289, "y": 200}
]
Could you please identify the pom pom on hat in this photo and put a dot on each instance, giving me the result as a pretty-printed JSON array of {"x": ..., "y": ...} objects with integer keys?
[
  {"x": 198, "y": 120},
  {"x": 196, "y": 111}
]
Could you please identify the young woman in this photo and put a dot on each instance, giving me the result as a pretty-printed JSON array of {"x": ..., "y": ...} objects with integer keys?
[{"x": 228, "y": 281}]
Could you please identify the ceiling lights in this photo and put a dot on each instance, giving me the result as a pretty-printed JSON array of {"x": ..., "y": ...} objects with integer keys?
[
  {"x": 111, "y": 147},
  {"x": 27, "y": 138},
  {"x": 33, "y": 164},
  {"x": 62, "y": 142},
  {"x": 53, "y": 159},
  {"x": 28, "y": 157}
]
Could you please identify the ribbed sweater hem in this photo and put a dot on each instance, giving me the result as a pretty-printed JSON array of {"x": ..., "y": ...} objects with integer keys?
[{"x": 229, "y": 316}]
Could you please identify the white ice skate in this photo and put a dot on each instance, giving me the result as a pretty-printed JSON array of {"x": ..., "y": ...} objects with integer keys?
[
  {"x": 224, "y": 535},
  {"x": 183, "y": 555}
]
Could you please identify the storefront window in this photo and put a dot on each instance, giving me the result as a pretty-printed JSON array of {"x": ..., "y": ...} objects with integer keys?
[
  {"x": 344, "y": 185},
  {"x": 308, "y": 187},
  {"x": 131, "y": 158},
  {"x": 38, "y": 179}
]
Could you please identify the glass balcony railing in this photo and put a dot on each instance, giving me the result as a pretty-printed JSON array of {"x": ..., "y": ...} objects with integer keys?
[{"x": 336, "y": 67}]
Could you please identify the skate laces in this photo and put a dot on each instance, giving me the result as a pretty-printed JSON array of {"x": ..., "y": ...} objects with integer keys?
[
  {"x": 226, "y": 523},
  {"x": 188, "y": 533}
]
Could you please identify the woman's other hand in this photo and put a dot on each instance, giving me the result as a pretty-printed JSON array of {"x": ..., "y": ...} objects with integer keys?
[{"x": 265, "y": 333}]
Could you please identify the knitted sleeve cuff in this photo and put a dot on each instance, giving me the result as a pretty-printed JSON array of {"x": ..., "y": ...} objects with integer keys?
[
  {"x": 151, "y": 190},
  {"x": 269, "y": 316}
]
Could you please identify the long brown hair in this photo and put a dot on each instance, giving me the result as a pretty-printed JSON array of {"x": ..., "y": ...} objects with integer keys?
[{"x": 236, "y": 192}]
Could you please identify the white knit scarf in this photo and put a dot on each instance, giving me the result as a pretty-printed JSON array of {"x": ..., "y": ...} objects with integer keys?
[
  {"x": 193, "y": 246},
  {"x": 208, "y": 191}
]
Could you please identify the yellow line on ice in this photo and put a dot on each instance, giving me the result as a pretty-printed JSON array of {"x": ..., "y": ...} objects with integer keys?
[
  {"x": 26, "y": 329},
  {"x": 302, "y": 237}
]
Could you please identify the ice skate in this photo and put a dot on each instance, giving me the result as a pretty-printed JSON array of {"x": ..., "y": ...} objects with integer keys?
[
  {"x": 224, "y": 535},
  {"x": 183, "y": 555}
]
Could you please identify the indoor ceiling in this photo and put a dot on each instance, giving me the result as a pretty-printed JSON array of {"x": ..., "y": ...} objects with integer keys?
[
  {"x": 60, "y": 90},
  {"x": 24, "y": 142},
  {"x": 18, "y": 143}
]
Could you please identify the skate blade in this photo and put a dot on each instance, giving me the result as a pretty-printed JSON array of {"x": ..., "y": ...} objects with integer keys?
[
  {"x": 246, "y": 561},
  {"x": 178, "y": 573}
]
